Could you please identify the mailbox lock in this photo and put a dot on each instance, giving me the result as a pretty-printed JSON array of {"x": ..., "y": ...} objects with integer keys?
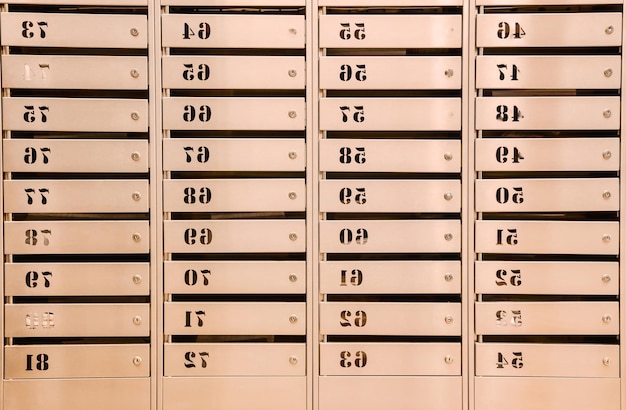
[
  {"x": 606, "y": 278},
  {"x": 448, "y": 236},
  {"x": 608, "y": 72},
  {"x": 137, "y": 279},
  {"x": 606, "y": 238},
  {"x": 136, "y": 196},
  {"x": 606, "y": 361},
  {"x": 606, "y": 194},
  {"x": 136, "y": 360},
  {"x": 607, "y": 113},
  {"x": 449, "y": 72},
  {"x": 134, "y": 32},
  {"x": 137, "y": 237},
  {"x": 448, "y": 277},
  {"x": 447, "y": 196},
  {"x": 134, "y": 115},
  {"x": 293, "y": 278},
  {"x": 293, "y": 319},
  {"x": 137, "y": 320},
  {"x": 448, "y": 359},
  {"x": 609, "y": 30},
  {"x": 292, "y": 73},
  {"x": 134, "y": 73},
  {"x": 449, "y": 319},
  {"x": 447, "y": 156},
  {"x": 293, "y": 155},
  {"x": 292, "y": 195},
  {"x": 293, "y": 360},
  {"x": 606, "y": 318},
  {"x": 293, "y": 114},
  {"x": 135, "y": 156},
  {"x": 293, "y": 236}
]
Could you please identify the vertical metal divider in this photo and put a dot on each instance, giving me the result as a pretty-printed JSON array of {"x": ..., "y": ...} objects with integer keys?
[
  {"x": 3, "y": 7},
  {"x": 622, "y": 230}
]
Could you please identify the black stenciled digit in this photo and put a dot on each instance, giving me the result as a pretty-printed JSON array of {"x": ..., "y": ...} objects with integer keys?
[
  {"x": 32, "y": 278},
  {"x": 41, "y": 362},
  {"x": 204, "y": 31}
]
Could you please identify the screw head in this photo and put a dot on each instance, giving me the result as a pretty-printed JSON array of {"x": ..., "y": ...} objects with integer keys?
[
  {"x": 606, "y": 278},
  {"x": 293, "y": 155},
  {"x": 293, "y": 360},
  {"x": 293, "y": 31},
  {"x": 606, "y": 361},
  {"x": 293, "y": 114},
  {"x": 136, "y": 360},
  {"x": 293, "y": 236},
  {"x": 293, "y": 319},
  {"x": 292, "y": 195},
  {"x": 135, "y": 156},
  {"x": 449, "y": 319},
  {"x": 293, "y": 277},
  {"x": 134, "y": 73},
  {"x": 606, "y": 238},
  {"x": 449, "y": 72},
  {"x": 607, "y": 113},
  {"x": 608, "y": 72},
  {"x": 136, "y": 196},
  {"x": 137, "y": 320},
  {"x": 137, "y": 279},
  {"x": 448, "y": 277},
  {"x": 447, "y": 156},
  {"x": 609, "y": 30},
  {"x": 448, "y": 236},
  {"x": 606, "y": 194},
  {"x": 447, "y": 196},
  {"x": 606, "y": 318},
  {"x": 292, "y": 73},
  {"x": 137, "y": 237},
  {"x": 448, "y": 359},
  {"x": 134, "y": 32}
]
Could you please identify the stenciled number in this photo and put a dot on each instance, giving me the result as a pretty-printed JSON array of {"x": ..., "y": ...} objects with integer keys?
[
  {"x": 32, "y": 279},
  {"x": 31, "y": 156},
  {"x": 202, "y": 155},
  {"x": 503, "y": 195},
  {"x": 345, "y": 196},
  {"x": 203, "y": 197},
  {"x": 345, "y": 155},
  {"x": 42, "y": 192},
  {"x": 199, "y": 315},
  {"x": 355, "y": 277},
  {"x": 204, "y": 31},
  {"x": 357, "y": 116},
  {"x": 360, "y": 318},
  {"x": 516, "y": 362},
  {"x": 202, "y": 72},
  {"x": 502, "y": 113},
  {"x": 503, "y": 71},
  {"x": 205, "y": 237},
  {"x": 502, "y": 155},
  {"x": 514, "y": 280},
  {"x": 32, "y": 237},
  {"x": 502, "y": 318},
  {"x": 27, "y": 27},
  {"x": 203, "y": 113},
  {"x": 30, "y": 116},
  {"x": 360, "y": 236},
  {"x": 360, "y": 359},
  {"x": 346, "y": 31},
  {"x": 510, "y": 238},
  {"x": 191, "y": 277},
  {"x": 190, "y": 356},
  {"x": 346, "y": 72},
  {"x": 504, "y": 30},
  {"x": 41, "y": 362}
]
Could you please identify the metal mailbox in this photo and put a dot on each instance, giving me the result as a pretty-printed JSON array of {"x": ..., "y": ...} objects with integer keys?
[
  {"x": 241, "y": 154},
  {"x": 389, "y": 155},
  {"x": 544, "y": 237},
  {"x": 387, "y": 318},
  {"x": 234, "y": 195},
  {"x": 362, "y": 3},
  {"x": 234, "y": 2},
  {"x": 77, "y": 320},
  {"x": 390, "y": 114},
  {"x": 234, "y": 277},
  {"x": 234, "y": 72},
  {"x": 234, "y": 359},
  {"x": 380, "y": 277},
  {"x": 390, "y": 359},
  {"x": 234, "y": 318},
  {"x": 74, "y": 361},
  {"x": 547, "y": 318},
  {"x": 84, "y": 2},
  {"x": 76, "y": 279}
]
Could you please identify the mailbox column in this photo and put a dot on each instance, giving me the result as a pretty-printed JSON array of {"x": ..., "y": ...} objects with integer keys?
[
  {"x": 390, "y": 205},
  {"x": 547, "y": 204},
  {"x": 76, "y": 205},
  {"x": 234, "y": 157}
]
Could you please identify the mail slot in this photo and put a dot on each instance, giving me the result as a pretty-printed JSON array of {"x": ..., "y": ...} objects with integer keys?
[
  {"x": 42, "y": 196},
  {"x": 76, "y": 279},
  {"x": 549, "y": 278},
  {"x": 390, "y": 114},
  {"x": 75, "y": 114},
  {"x": 77, "y": 320},
  {"x": 50, "y": 237},
  {"x": 543, "y": 237},
  {"x": 217, "y": 195},
  {"x": 387, "y": 318},
  {"x": 93, "y": 394},
  {"x": 390, "y": 195},
  {"x": 268, "y": 393},
  {"x": 216, "y": 30},
  {"x": 549, "y": 30},
  {"x": 547, "y": 360},
  {"x": 551, "y": 72},
  {"x": 59, "y": 30},
  {"x": 372, "y": 277},
  {"x": 547, "y": 113},
  {"x": 215, "y": 113},
  {"x": 389, "y": 155},
  {"x": 390, "y": 31},
  {"x": 235, "y": 318},
  {"x": 540, "y": 393},
  {"x": 547, "y": 154},
  {"x": 235, "y": 277},
  {"x": 390, "y": 236},
  {"x": 241, "y": 154},
  {"x": 547, "y": 195},
  {"x": 547, "y": 318},
  {"x": 391, "y": 392},
  {"x": 390, "y": 359},
  {"x": 234, "y": 72},
  {"x": 75, "y": 72},
  {"x": 210, "y": 236},
  {"x": 396, "y": 73},
  {"x": 58, "y": 361},
  {"x": 234, "y": 359}
]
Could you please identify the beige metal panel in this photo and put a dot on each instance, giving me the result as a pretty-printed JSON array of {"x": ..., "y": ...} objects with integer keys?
[
  {"x": 381, "y": 73},
  {"x": 547, "y": 360},
  {"x": 235, "y": 318},
  {"x": 520, "y": 72},
  {"x": 234, "y": 72},
  {"x": 390, "y": 236},
  {"x": 241, "y": 154},
  {"x": 549, "y": 278},
  {"x": 225, "y": 31},
  {"x": 371, "y": 277},
  {"x": 234, "y": 359},
  {"x": 543, "y": 237},
  {"x": 233, "y": 2},
  {"x": 390, "y": 114},
  {"x": 257, "y": 277},
  {"x": 83, "y": 2},
  {"x": 74, "y": 114},
  {"x": 391, "y": 392},
  {"x": 92, "y": 394},
  {"x": 75, "y": 155},
  {"x": 387, "y": 155},
  {"x": 547, "y": 393},
  {"x": 58, "y": 361},
  {"x": 49, "y": 237},
  {"x": 390, "y": 196},
  {"x": 545, "y": 195},
  {"x": 234, "y": 195},
  {"x": 235, "y": 393},
  {"x": 547, "y": 113},
  {"x": 544, "y": 2},
  {"x": 59, "y": 30},
  {"x": 547, "y": 154},
  {"x": 35, "y": 196},
  {"x": 549, "y": 30},
  {"x": 389, "y": 31},
  {"x": 547, "y": 318},
  {"x": 390, "y": 359},
  {"x": 382, "y": 318},
  {"x": 209, "y": 236},
  {"x": 80, "y": 320},
  {"x": 362, "y": 3},
  {"x": 206, "y": 113},
  {"x": 77, "y": 72},
  {"x": 76, "y": 279}
]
